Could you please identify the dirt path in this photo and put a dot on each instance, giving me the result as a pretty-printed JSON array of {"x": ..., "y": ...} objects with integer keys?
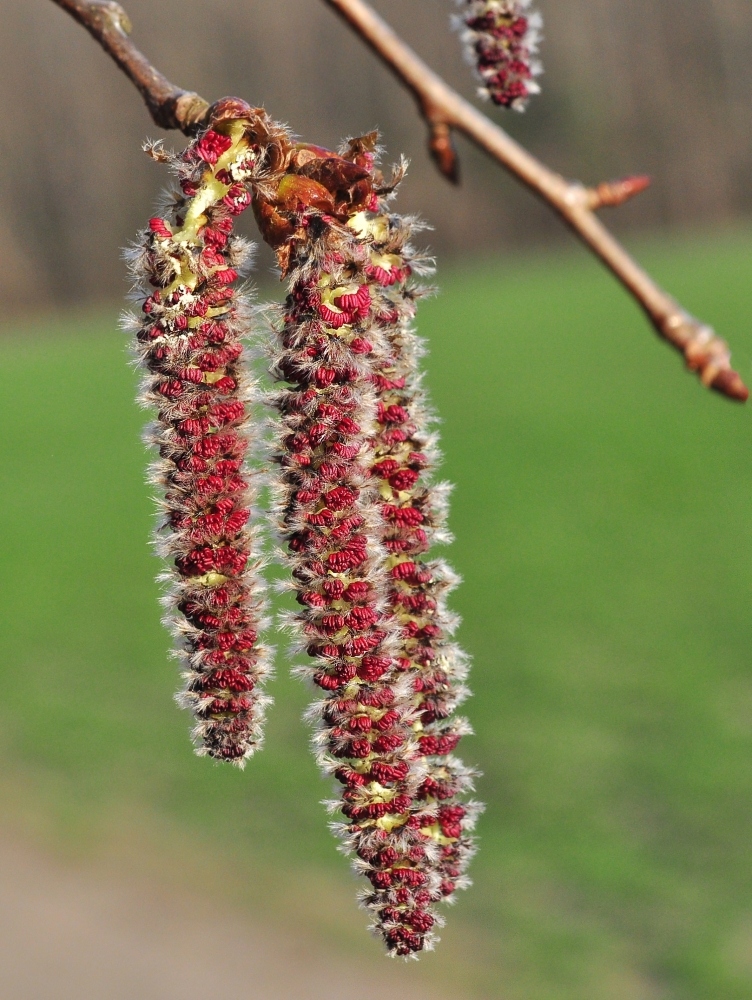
[{"x": 71, "y": 933}]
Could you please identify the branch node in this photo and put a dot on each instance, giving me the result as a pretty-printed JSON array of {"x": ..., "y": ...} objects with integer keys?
[
  {"x": 704, "y": 353},
  {"x": 116, "y": 15},
  {"x": 611, "y": 194},
  {"x": 188, "y": 112}
]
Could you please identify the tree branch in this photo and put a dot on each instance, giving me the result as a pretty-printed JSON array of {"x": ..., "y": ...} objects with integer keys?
[
  {"x": 169, "y": 106},
  {"x": 444, "y": 110}
]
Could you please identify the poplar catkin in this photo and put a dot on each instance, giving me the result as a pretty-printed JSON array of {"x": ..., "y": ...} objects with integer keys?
[
  {"x": 188, "y": 343},
  {"x": 357, "y": 523}
]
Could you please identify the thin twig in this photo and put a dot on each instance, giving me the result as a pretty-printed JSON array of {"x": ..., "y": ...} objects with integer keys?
[
  {"x": 445, "y": 110},
  {"x": 169, "y": 106}
]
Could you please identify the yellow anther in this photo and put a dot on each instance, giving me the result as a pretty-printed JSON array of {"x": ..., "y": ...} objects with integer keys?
[{"x": 210, "y": 579}]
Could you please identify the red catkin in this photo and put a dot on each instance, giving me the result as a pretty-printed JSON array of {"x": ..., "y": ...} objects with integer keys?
[
  {"x": 404, "y": 455},
  {"x": 188, "y": 342},
  {"x": 375, "y": 624},
  {"x": 501, "y": 40}
]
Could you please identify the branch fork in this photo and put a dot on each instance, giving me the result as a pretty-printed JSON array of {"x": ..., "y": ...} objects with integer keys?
[{"x": 445, "y": 112}]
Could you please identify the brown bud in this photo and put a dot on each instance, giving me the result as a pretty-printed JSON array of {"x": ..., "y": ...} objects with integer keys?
[
  {"x": 441, "y": 147},
  {"x": 231, "y": 109},
  {"x": 613, "y": 193},
  {"x": 298, "y": 192}
]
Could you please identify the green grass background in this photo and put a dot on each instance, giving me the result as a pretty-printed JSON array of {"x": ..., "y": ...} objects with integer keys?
[{"x": 604, "y": 532}]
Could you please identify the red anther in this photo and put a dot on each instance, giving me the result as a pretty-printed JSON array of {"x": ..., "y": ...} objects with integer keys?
[
  {"x": 214, "y": 237},
  {"x": 237, "y": 199},
  {"x": 353, "y": 779},
  {"x": 226, "y": 276},
  {"x": 324, "y": 376},
  {"x": 361, "y": 644},
  {"x": 380, "y": 880},
  {"x": 358, "y": 590},
  {"x": 211, "y": 258},
  {"x": 359, "y": 749},
  {"x": 312, "y": 599},
  {"x": 323, "y": 518},
  {"x": 332, "y": 318},
  {"x": 405, "y": 517},
  {"x": 346, "y": 527},
  {"x": 345, "y": 671},
  {"x": 404, "y": 571},
  {"x": 317, "y": 433},
  {"x": 359, "y": 724},
  {"x": 211, "y": 146},
  {"x": 403, "y": 480},
  {"x": 373, "y": 667},
  {"x": 421, "y": 921},
  {"x": 338, "y": 562},
  {"x": 382, "y": 276},
  {"x": 388, "y": 742},
  {"x": 394, "y": 414},
  {"x": 160, "y": 228},
  {"x": 208, "y": 620},
  {"x": 329, "y": 471},
  {"x": 438, "y": 745},
  {"x": 333, "y": 589},
  {"x": 387, "y": 857},
  {"x": 191, "y": 427},
  {"x": 401, "y": 804},
  {"x": 340, "y": 498},
  {"x": 348, "y": 426},
  {"x": 171, "y": 389},
  {"x": 191, "y": 375},
  {"x": 227, "y": 679},
  {"x": 359, "y": 345},
  {"x": 386, "y": 468},
  {"x": 328, "y": 650},
  {"x": 332, "y": 623},
  {"x": 387, "y": 721},
  {"x": 389, "y": 773},
  {"x": 328, "y": 682},
  {"x": 361, "y": 618}
]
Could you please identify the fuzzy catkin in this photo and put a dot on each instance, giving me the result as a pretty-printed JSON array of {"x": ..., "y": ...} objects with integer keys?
[
  {"x": 414, "y": 512},
  {"x": 330, "y": 519},
  {"x": 501, "y": 40},
  {"x": 343, "y": 332},
  {"x": 188, "y": 341}
]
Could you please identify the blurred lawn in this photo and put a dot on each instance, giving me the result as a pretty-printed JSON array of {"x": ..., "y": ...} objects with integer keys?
[{"x": 604, "y": 532}]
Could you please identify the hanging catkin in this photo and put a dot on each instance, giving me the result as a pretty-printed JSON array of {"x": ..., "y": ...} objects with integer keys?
[
  {"x": 337, "y": 340},
  {"x": 188, "y": 342}
]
